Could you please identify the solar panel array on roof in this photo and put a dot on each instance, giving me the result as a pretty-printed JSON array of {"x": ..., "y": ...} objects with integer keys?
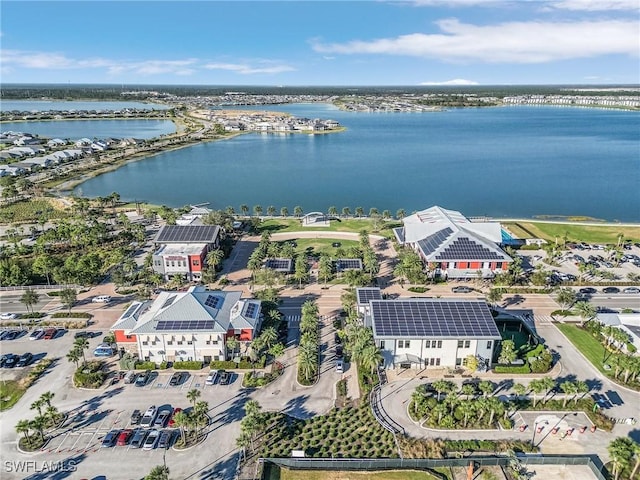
[
  {"x": 432, "y": 242},
  {"x": 464, "y": 248},
  {"x": 348, "y": 264},
  {"x": 131, "y": 310},
  {"x": 250, "y": 310},
  {"x": 425, "y": 318},
  {"x": 278, "y": 264},
  {"x": 168, "y": 301},
  {"x": 212, "y": 301},
  {"x": 366, "y": 294},
  {"x": 188, "y": 325},
  {"x": 187, "y": 234}
]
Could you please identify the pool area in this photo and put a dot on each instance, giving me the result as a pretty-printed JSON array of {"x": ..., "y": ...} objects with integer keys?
[{"x": 508, "y": 239}]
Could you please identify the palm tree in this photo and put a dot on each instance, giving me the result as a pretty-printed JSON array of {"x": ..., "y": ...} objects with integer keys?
[
  {"x": 269, "y": 336},
  {"x": 81, "y": 344},
  {"x": 74, "y": 356},
  {"x": 400, "y": 214},
  {"x": 297, "y": 211},
  {"x": 519, "y": 389},
  {"x": 46, "y": 397},
  {"x": 486, "y": 387},
  {"x": 346, "y": 211},
  {"x": 214, "y": 257},
  {"x": 467, "y": 409},
  {"x": 193, "y": 395},
  {"x": 467, "y": 390},
  {"x": 271, "y": 211},
  {"x": 159, "y": 472},
  {"x": 52, "y": 415},
  {"x": 494, "y": 297},
  {"x": 586, "y": 311},
  {"x": 536, "y": 387},
  {"x": 284, "y": 212},
  {"x": 38, "y": 424},
  {"x": 359, "y": 212},
  {"x": 37, "y": 405},
  {"x": 229, "y": 211},
  {"x": 200, "y": 410},
  {"x": 373, "y": 212},
  {"x": 181, "y": 420},
  {"x": 370, "y": 358},
  {"x": 565, "y": 298},
  {"x": 620, "y": 450},
  {"x": 244, "y": 209},
  {"x": 581, "y": 388},
  {"x": 333, "y": 211},
  {"x": 29, "y": 298},
  {"x": 386, "y": 214},
  {"x": 495, "y": 406},
  {"x": 547, "y": 383},
  {"x": 636, "y": 455},
  {"x": 443, "y": 386},
  {"x": 24, "y": 426},
  {"x": 569, "y": 388},
  {"x": 257, "y": 209},
  {"x": 307, "y": 361},
  {"x": 325, "y": 268}
]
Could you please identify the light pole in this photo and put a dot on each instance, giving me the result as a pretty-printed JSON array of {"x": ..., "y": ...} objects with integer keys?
[{"x": 533, "y": 437}]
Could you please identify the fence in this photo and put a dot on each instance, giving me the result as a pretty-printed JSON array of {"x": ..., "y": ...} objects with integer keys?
[
  {"x": 39, "y": 287},
  {"x": 345, "y": 464}
]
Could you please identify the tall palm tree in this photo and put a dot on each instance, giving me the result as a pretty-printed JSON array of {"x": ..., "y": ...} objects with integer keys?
[
  {"x": 467, "y": 409},
  {"x": 271, "y": 211},
  {"x": 269, "y": 336},
  {"x": 346, "y": 211},
  {"x": 494, "y": 297},
  {"x": 244, "y": 209},
  {"x": 333, "y": 211},
  {"x": 308, "y": 361},
  {"x": 565, "y": 297},
  {"x": 46, "y": 397},
  {"x": 443, "y": 386},
  {"x": 38, "y": 424},
  {"x": 257, "y": 209},
  {"x": 370, "y": 358},
  {"x": 586, "y": 310},
  {"x": 297, "y": 211},
  {"x": 74, "y": 356},
  {"x": 536, "y": 387},
  {"x": 29, "y": 298},
  {"x": 486, "y": 387},
  {"x": 38, "y": 405},
  {"x": 569, "y": 388},
  {"x": 284, "y": 212},
  {"x": 24, "y": 426},
  {"x": 214, "y": 257},
  {"x": 400, "y": 214},
  {"x": 181, "y": 420},
  {"x": 359, "y": 212},
  {"x": 519, "y": 389},
  {"x": 229, "y": 211},
  {"x": 620, "y": 450},
  {"x": 159, "y": 472},
  {"x": 193, "y": 395},
  {"x": 81, "y": 344}
]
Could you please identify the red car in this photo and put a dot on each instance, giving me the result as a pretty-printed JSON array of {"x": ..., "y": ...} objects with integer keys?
[
  {"x": 50, "y": 333},
  {"x": 172, "y": 422},
  {"x": 124, "y": 437}
]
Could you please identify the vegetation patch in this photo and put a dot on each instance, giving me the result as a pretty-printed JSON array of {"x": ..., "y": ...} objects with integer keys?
[
  {"x": 286, "y": 474},
  {"x": 10, "y": 392},
  {"x": 187, "y": 365},
  {"x": 605, "y": 234},
  {"x": 417, "y": 289},
  {"x": 90, "y": 375},
  {"x": 32, "y": 210}
]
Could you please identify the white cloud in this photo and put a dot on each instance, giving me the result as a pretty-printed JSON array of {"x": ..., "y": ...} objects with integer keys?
[
  {"x": 454, "y": 82},
  {"x": 597, "y": 5},
  {"x": 246, "y": 69},
  {"x": 588, "y": 5},
  {"x": 513, "y": 42}
]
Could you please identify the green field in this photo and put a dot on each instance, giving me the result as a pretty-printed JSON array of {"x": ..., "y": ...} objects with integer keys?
[
  {"x": 29, "y": 211},
  {"x": 356, "y": 225},
  {"x": 586, "y": 343},
  {"x": 286, "y": 474},
  {"x": 10, "y": 392},
  {"x": 606, "y": 233},
  {"x": 318, "y": 246}
]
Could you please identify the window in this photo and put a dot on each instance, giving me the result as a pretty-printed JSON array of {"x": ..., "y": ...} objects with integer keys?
[
  {"x": 427, "y": 344},
  {"x": 170, "y": 342},
  {"x": 437, "y": 362},
  {"x": 129, "y": 337},
  {"x": 489, "y": 345},
  {"x": 382, "y": 344},
  {"x": 467, "y": 343},
  {"x": 180, "y": 342},
  {"x": 403, "y": 343},
  {"x": 208, "y": 342},
  {"x": 460, "y": 343},
  {"x": 215, "y": 342},
  {"x": 196, "y": 262},
  {"x": 145, "y": 343},
  {"x": 439, "y": 346},
  {"x": 190, "y": 342},
  {"x": 458, "y": 362}
]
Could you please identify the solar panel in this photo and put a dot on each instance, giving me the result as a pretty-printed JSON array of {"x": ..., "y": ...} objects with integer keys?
[
  {"x": 250, "y": 310},
  {"x": 432, "y": 242},
  {"x": 168, "y": 301},
  {"x": 366, "y": 294},
  {"x": 185, "y": 325},
  {"x": 343, "y": 264},
  {"x": 432, "y": 318},
  {"x": 131, "y": 310},
  {"x": 464, "y": 248},
  {"x": 212, "y": 301},
  {"x": 283, "y": 264},
  {"x": 187, "y": 234}
]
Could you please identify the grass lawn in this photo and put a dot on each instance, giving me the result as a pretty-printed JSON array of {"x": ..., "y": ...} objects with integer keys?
[
  {"x": 575, "y": 233},
  {"x": 318, "y": 246},
  {"x": 26, "y": 211},
  {"x": 286, "y": 474},
  {"x": 10, "y": 393},
  {"x": 586, "y": 343},
  {"x": 355, "y": 225}
]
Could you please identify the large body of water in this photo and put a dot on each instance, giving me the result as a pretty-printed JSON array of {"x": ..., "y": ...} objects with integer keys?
[
  {"x": 502, "y": 162},
  {"x": 75, "y": 129},
  {"x": 47, "y": 105}
]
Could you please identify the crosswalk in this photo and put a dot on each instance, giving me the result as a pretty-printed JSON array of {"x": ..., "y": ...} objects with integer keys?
[
  {"x": 544, "y": 319},
  {"x": 293, "y": 320}
]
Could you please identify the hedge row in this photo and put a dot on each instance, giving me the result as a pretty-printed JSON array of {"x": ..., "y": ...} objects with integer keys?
[
  {"x": 71, "y": 315},
  {"x": 144, "y": 365},
  {"x": 188, "y": 365},
  {"x": 512, "y": 369}
]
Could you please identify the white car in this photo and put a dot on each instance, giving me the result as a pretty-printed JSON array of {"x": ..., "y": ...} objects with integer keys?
[
  {"x": 339, "y": 367},
  {"x": 101, "y": 299},
  {"x": 149, "y": 416},
  {"x": 211, "y": 379},
  {"x": 8, "y": 316},
  {"x": 37, "y": 334}
]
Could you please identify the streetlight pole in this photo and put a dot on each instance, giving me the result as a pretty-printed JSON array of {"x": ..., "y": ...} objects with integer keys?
[{"x": 533, "y": 438}]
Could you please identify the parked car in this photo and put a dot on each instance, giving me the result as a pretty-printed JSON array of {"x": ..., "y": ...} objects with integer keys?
[
  {"x": 152, "y": 440},
  {"x": 50, "y": 333},
  {"x": 335, "y": 244},
  {"x": 172, "y": 421},
  {"x": 82, "y": 334},
  {"x": 339, "y": 367},
  {"x": 124, "y": 437},
  {"x": 37, "y": 334},
  {"x": 211, "y": 378},
  {"x": 9, "y": 360},
  {"x": 587, "y": 291},
  {"x": 339, "y": 351},
  {"x": 143, "y": 378},
  {"x": 136, "y": 416},
  {"x": 24, "y": 360},
  {"x": 139, "y": 435},
  {"x": 8, "y": 316},
  {"x": 130, "y": 377},
  {"x": 601, "y": 400},
  {"x": 101, "y": 299},
  {"x": 104, "y": 350},
  {"x": 177, "y": 378},
  {"x": 149, "y": 416},
  {"x": 631, "y": 290},
  {"x": 611, "y": 290},
  {"x": 225, "y": 377},
  {"x": 165, "y": 439},
  {"x": 461, "y": 289},
  {"x": 11, "y": 335},
  {"x": 162, "y": 418},
  {"x": 109, "y": 439}
]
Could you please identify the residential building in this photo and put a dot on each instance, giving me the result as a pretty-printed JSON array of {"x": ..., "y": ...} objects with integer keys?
[
  {"x": 182, "y": 249},
  {"x": 431, "y": 332},
  {"x": 451, "y": 246},
  {"x": 191, "y": 325}
]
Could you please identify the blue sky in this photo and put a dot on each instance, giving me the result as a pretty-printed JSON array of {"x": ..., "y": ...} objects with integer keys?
[{"x": 456, "y": 42}]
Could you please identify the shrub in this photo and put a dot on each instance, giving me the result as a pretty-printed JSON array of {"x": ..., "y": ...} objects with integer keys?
[
  {"x": 512, "y": 369},
  {"x": 222, "y": 365},
  {"x": 342, "y": 388},
  {"x": 188, "y": 365},
  {"x": 32, "y": 315},
  {"x": 90, "y": 375},
  {"x": 417, "y": 289},
  {"x": 71, "y": 315},
  {"x": 144, "y": 365},
  {"x": 163, "y": 365}
]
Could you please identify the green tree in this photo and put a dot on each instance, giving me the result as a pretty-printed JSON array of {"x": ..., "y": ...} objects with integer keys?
[
  {"x": 24, "y": 426},
  {"x": 257, "y": 210},
  {"x": 494, "y": 297},
  {"x": 193, "y": 395},
  {"x": 370, "y": 358},
  {"x": 467, "y": 409},
  {"x": 346, "y": 211},
  {"x": 269, "y": 336},
  {"x": 271, "y": 211},
  {"x": 586, "y": 311},
  {"x": 400, "y": 214},
  {"x": 68, "y": 297},
  {"x": 159, "y": 472},
  {"x": 333, "y": 211},
  {"x": 297, "y": 211},
  {"x": 215, "y": 257},
  {"x": 565, "y": 297},
  {"x": 569, "y": 388},
  {"x": 443, "y": 386},
  {"x": 181, "y": 420},
  {"x": 359, "y": 212},
  {"x": 301, "y": 273},
  {"x": 507, "y": 353},
  {"x": 38, "y": 405},
  {"x": 232, "y": 345},
  {"x": 244, "y": 209},
  {"x": 44, "y": 264},
  {"x": 519, "y": 389},
  {"x": 486, "y": 387},
  {"x": 29, "y": 298},
  {"x": 284, "y": 212},
  {"x": 46, "y": 397},
  {"x": 325, "y": 268},
  {"x": 74, "y": 356},
  {"x": 621, "y": 451},
  {"x": 81, "y": 344}
]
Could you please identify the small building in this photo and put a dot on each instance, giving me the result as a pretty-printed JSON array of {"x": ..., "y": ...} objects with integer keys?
[
  {"x": 191, "y": 325},
  {"x": 432, "y": 332},
  {"x": 316, "y": 219},
  {"x": 281, "y": 265},
  {"x": 363, "y": 296}
]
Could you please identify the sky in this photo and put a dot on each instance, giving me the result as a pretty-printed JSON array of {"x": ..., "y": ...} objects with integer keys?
[{"x": 321, "y": 43}]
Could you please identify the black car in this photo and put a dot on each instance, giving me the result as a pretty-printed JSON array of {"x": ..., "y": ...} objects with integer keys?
[
  {"x": 165, "y": 439},
  {"x": 136, "y": 416},
  {"x": 335, "y": 244},
  {"x": 611, "y": 290},
  {"x": 25, "y": 359},
  {"x": 587, "y": 291},
  {"x": 177, "y": 378},
  {"x": 143, "y": 378},
  {"x": 428, "y": 388},
  {"x": 462, "y": 289},
  {"x": 601, "y": 400},
  {"x": 339, "y": 351},
  {"x": 139, "y": 435},
  {"x": 11, "y": 360},
  {"x": 110, "y": 438},
  {"x": 82, "y": 334},
  {"x": 225, "y": 377},
  {"x": 11, "y": 334}
]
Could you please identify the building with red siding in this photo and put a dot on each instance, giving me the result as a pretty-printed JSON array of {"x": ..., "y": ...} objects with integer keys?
[{"x": 452, "y": 246}]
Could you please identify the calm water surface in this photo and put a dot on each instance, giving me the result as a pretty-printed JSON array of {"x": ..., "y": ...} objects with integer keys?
[
  {"x": 75, "y": 129},
  {"x": 46, "y": 105},
  {"x": 503, "y": 162}
]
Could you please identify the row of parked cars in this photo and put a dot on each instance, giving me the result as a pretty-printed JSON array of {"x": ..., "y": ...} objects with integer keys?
[
  {"x": 591, "y": 290},
  {"x": 149, "y": 429},
  {"x": 140, "y": 379},
  {"x": 11, "y": 360}
]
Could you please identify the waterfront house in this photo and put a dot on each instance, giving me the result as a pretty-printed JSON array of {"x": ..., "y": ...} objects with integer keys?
[
  {"x": 432, "y": 332},
  {"x": 451, "y": 246},
  {"x": 191, "y": 325}
]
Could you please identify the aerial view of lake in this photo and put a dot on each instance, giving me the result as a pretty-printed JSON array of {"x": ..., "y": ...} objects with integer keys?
[
  {"x": 111, "y": 128},
  {"x": 62, "y": 105},
  {"x": 499, "y": 162}
]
